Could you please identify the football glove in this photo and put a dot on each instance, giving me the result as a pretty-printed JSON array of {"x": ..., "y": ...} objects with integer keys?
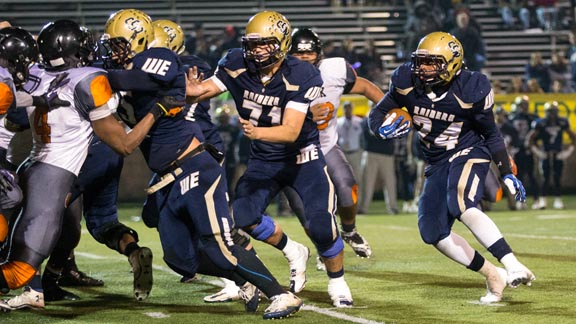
[
  {"x": 167, "y": 106},
  {"x": 394, "y": 129},
  {"x": 515, "y": 187},
  {"x": 7, "y": 182},
  {"x": 50, "y": 98},
  {"x": 565, "y": 153}
]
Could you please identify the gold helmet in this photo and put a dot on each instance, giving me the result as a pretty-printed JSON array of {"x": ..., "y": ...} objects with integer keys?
[
  {"x": 551, "y": 109},
  {"x": 269, "y": 29},
  {"x": 175, "y": 34},
  {"x": 161, "y": 38},
  {"x": 127, "y": 33},
  {"x": 441, "y": 50}
]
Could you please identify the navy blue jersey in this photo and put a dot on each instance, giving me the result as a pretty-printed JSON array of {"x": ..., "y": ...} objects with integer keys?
[
  {"x": 550, "y": 133},
  {"x": 522, "y": 122},
  {"x": 295, "y": 84},
  {"x": 458, "y": 117},
  {"x": 200, "y": 110},
  {"x": 169, "y": 137}
]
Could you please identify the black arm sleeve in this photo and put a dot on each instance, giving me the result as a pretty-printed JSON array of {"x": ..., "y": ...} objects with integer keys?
[{"x": 132, "y": 80}]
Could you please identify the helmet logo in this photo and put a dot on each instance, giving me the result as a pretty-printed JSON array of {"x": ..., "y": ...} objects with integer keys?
[
  {"x": 171, "y": 33},
  {"x": 454, "y": 48},
  {"x": 282, "y": 27},
  {"x": 305, "y": 47},
  {"x": 134, "y": 25}
]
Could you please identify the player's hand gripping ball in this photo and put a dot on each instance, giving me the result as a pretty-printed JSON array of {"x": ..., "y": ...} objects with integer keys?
[{"x": 397, "y": 123}]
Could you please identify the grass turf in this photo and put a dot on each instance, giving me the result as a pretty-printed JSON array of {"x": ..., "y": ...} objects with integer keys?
[{"x": 405, "y": 281}]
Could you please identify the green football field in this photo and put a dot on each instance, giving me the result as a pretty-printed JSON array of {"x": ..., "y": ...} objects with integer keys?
[{"x": 405, "y": 281}]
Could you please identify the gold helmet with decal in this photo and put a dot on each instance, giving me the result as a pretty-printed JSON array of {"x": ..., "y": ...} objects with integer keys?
[
  {"x": 174, "y": 35},
  {"x": 266, "y": 29},
  {"x": 441, "y": 50},
  {"x": 127, "y": 33}
]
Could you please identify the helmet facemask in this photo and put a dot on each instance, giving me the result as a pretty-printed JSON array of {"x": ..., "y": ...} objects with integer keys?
[
  {"x": 432, "y": 77},
  {"x": 261, "y": 53},
  {"x": 116, "y": 51}
]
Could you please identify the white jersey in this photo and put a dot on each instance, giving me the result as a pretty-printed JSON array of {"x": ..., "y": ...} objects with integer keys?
[
  {"x": 7, "y": 100},
  {"x": 62, "y": 135},
  {"x": 338, "y": 77}
]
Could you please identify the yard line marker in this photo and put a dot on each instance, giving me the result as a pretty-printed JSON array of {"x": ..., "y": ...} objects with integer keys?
[
  {"x": 543, "y": 237},
  {"x": 555, "y": 216},
  {"x": 90, "y": 255},
  {"x": 338, "y": 315},
  {"x": 157, "y": 315}
]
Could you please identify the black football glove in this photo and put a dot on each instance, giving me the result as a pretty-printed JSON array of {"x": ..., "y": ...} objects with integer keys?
[
  {"x": 50, "y": 98},
  {"x": 167, "y": 106}
]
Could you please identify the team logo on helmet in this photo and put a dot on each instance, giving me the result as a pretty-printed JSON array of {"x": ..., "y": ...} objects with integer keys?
[
  {"x": 134, "y": 25},
  {"x": 455, "y": 48},
  {"x": 171, "y": 33}
]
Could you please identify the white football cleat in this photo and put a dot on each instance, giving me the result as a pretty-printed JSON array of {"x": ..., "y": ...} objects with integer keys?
[
  {"x": 29, "y": 298},
  {"x": 358, "y": 243},
  {"x": 298, "y": 268},
  {"x": 320, "y": 266},
  {"x": 141, "y": 262},
  {"x": 229, "y": 293},
  {"x": 283, "y": 305},
  {"x": 540, "y": 203},
  {"x": 520, "y": 276},
  {"x": 340, "y": 293},
  {"x": 558, "y": 204},
  {"x": 494, "y": 287}
]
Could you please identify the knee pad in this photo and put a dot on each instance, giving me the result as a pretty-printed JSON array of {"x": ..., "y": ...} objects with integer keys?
[
  {"x": 111, "y": 234},
  {"x": 263, "y": 230},
  {"x": 333, "y": 250},
  {"x": 321, "y": 234},
  {"x": 16, "y": 274}
]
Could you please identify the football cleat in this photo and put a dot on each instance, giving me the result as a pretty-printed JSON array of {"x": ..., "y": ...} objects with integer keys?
[
  {"x": 283, "y": 305},
  {"x": 229, "y": 293},
  {"x": 540, "y": 203},
  {"x": 358, "y": 243},
  {"x": 520, "y": 276},
  {"x": 76, "y": 278},
  {"x": 298, "y": 268},
  {"x": 51, "y": 289},
  {"x": 141, "y": 262},
  {"x": 558, "y": 204},
  {"x": 320, "y": 266},
  {"x": 29, "y": 298},
  {"x": 250, "y": 295},
  {"x": 340, "y": 293},
  {"x": 494, "y": 287},
  {"x": 4, "y": 307}
]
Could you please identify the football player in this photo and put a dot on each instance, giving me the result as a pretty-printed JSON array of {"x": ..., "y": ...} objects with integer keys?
[
  {"x": 522, "y": 120},
  {"x": 339, "y": 78},
  {"x": 61, "y": 140},
  {"x": 272, "y": 92},
  {"x": 552, "y": 153},
  {"x": 451, "y": 109},
  {"x": 190, "y": 198}
]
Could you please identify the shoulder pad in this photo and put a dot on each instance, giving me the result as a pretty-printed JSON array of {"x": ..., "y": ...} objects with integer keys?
[
  {"x": 234, "y": 59},
  {"x": 402, "y": 76},
  {"x": 471, "y": 87},
  {"x": 193, "y": 60},
  {"x": 299, "y": 70}
]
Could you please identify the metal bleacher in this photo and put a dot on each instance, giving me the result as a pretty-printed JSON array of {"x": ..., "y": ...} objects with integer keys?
[{"x": 507, "y": 51}]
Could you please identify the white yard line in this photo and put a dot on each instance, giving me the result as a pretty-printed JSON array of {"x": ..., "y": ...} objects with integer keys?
[
  {"x": 338, "y": 315},
  {"x": 543, "y": 237}
]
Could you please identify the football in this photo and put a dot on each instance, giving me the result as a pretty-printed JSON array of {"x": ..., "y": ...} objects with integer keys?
[{"x": 400, "y": 112}]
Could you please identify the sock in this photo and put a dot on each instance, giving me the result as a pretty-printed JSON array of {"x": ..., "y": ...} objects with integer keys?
[
  {"x": 253, "y": 270},
  {"x": 348, "y": 227},
  {"x": 131, "y": 247},
  {"x": 500, "y": 248},
  {"x": 36, "y": 283},
  {"x": 283, "y": 242},
  {"x": 456, "y": 248},
  {"x": 336, "y": 275},
  {"x": 483, "y": 228}
]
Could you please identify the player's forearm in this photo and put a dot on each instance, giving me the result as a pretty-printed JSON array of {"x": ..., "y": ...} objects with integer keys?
[{"x": 368, "y": 89}]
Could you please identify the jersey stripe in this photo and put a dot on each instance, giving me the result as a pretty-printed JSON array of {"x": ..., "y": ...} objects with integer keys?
[
  {"x": 6, "y": 97},
  {"x": 101, "y": 90}
]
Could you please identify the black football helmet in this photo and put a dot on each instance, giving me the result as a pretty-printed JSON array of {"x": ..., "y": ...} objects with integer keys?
[
  {"x": 64, "y": 44},
  {"x": 18, "y": 51},
  {"x": 306, "y": 40}
]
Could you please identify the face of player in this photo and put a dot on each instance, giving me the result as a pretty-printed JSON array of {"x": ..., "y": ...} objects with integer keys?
[
  {"x": 263, "y": 52},
  {"x": 309, "y": 57}
]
